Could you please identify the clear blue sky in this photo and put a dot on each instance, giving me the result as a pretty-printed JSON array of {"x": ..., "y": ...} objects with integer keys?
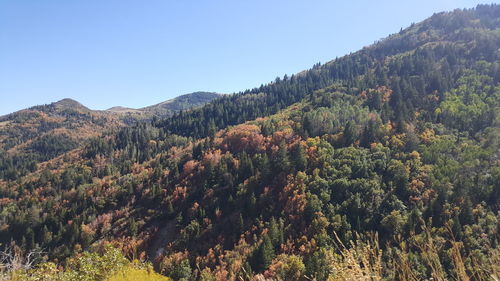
[{"x": 136, "y": 53}]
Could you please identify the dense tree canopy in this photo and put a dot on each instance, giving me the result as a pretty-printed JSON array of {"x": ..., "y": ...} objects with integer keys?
[{"x": 382, "y": 163}]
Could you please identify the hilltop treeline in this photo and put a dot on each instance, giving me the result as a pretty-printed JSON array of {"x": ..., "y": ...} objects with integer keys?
[{"x": 383, "y": 163}]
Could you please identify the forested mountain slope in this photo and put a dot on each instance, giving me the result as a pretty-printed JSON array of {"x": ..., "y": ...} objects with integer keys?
[
  {"x": 383, "y": 163},
  {"x": 166, "y": 108},
  {"x": 40, "y": 133},
  {"x": 432, "y": 52}
]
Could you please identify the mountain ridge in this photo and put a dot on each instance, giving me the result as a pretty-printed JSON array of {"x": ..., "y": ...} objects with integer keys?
[
  {"x": 168, "y": 107},
  {"x": 44, "y": 132},
  {"x": 383, "y": 164},
  {"x": 189, "y": 100}
]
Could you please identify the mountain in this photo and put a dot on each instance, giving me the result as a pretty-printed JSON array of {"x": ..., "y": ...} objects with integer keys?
[
  {"x": 41, "y": 133},
  {"x": 69, "y": 104},
  {"x": 439, "y": 37},
  {"x": 166, "y": 108},
  {"x": 380, "y": 165}
]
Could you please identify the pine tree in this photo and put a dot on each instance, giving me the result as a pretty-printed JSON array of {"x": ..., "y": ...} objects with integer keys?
[
  {"x": 265, "y": 255},
  {"x": 299, "y": 157},
  {"x": 197, "y": 151},
  {"x": 466, "y": 213},
  {"x": 276, "y": 232},
  {"x": 251, "y": 205},
  {"x": 350, "y": 134},
  {"x": 280, "y": 161},
  {"x": 241, "y": 224},
  {"x": 246, "y": 166},
  {"x": 46, "y": 235},
  {"x": 457, "y": 228},
  {"x": 133, "y": 228},
  {"x": 264, "y": 167}
]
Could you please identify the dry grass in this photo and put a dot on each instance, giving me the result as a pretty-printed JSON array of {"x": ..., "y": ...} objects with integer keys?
[
  {"x": 361, "y": 261},
  {"x": 486, "y": 270},
  {"x": 429, "y": 250},
  {"x": 402, "y": 265}
]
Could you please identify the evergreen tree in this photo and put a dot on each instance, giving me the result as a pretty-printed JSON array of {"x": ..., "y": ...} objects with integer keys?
[
  {"x": 350, "y": 134},
  {"x": 264, "y": 255},
  {"x": 281, "y": 161},
  {"x": 276, "y": 233},
  {"x": 299, "y": 157}
]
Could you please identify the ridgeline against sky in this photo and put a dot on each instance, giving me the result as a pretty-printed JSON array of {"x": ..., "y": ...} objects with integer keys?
[
  {"x": 383, "y": 164},
  {"x": 134, "y": 54}
]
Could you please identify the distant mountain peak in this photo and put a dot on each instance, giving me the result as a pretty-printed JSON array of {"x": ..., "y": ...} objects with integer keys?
[
  {"x": 68, "y": 103},
  {"x": 185, "y": 101},
  {"x": 118, "y": 109},
  {"x": 168, "y": 107}
]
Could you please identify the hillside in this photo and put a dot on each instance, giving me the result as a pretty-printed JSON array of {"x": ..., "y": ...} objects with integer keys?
[
  {"x": 41, "y": 133},
  {"x": 380, "y": 165},
  {"x": 166, "y": 108}
]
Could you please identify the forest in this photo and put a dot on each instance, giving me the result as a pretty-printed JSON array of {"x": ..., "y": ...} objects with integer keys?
[{"x": 380, "y": 165}]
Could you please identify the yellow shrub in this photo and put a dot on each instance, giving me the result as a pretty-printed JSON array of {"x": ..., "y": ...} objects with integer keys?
[{"x": 132, "y": 273}]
